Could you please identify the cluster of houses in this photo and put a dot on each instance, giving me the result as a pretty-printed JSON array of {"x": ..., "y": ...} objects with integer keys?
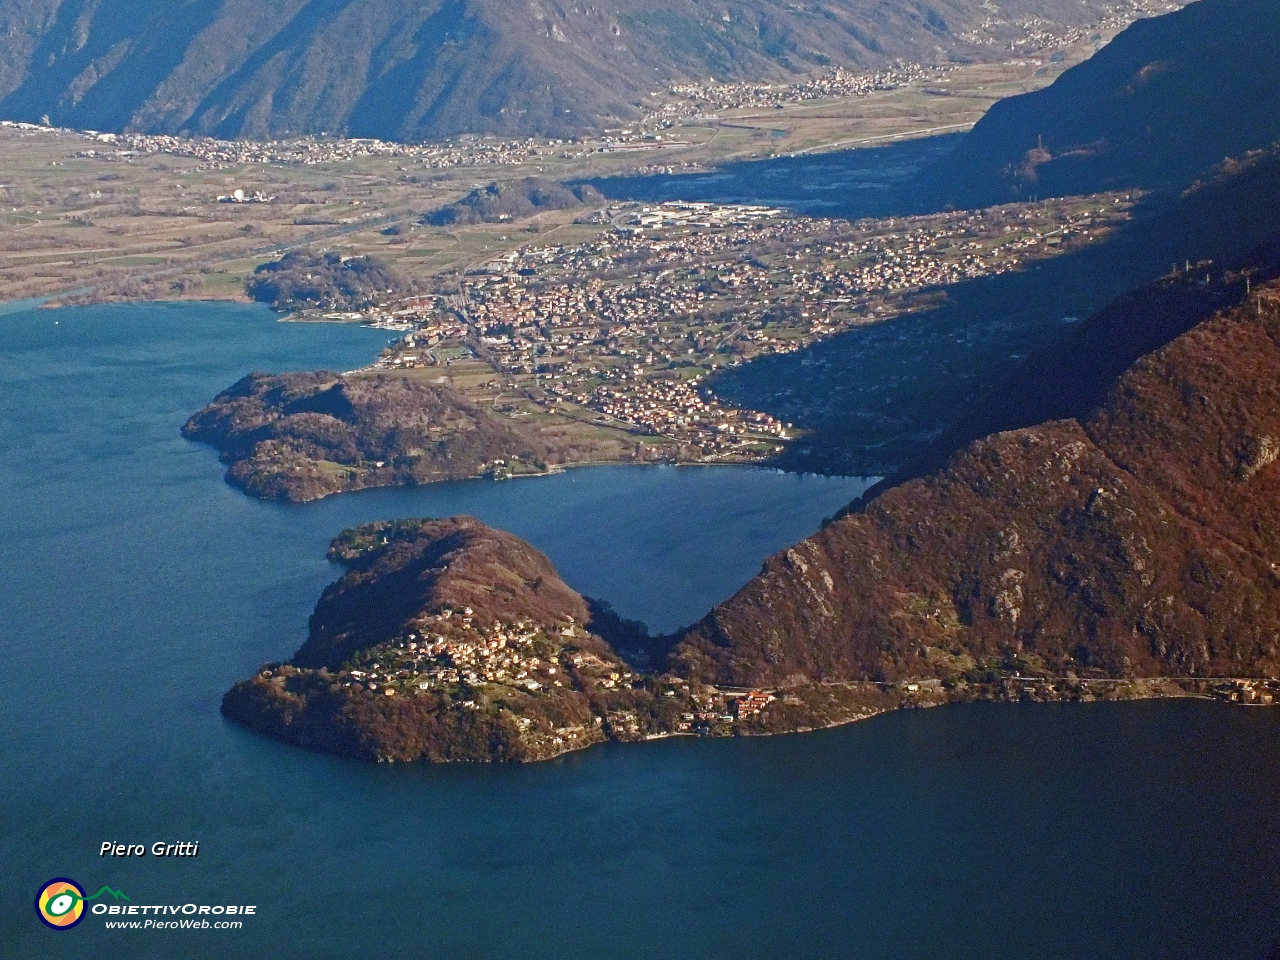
[
  {"x": 451, "y": 649},
  {"x": 1034, "y": 35},
  {"x": 1250, "y": 692},
  {"x": 674, "y": 408},
  {"x": 628, "y": 325},
  {"x": 693, "y": 98},
  {"x": 713, "y": 711},
  {"x": 241, "y": 196},
  {"x": 216, "y": 154}
]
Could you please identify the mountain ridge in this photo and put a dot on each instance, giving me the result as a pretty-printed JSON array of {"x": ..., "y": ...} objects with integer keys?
[
  {"x": 1135, "y": 542},
  {"x": 274, "y": 68},
  {"x": 1168, "y": 98},
  {"x": 1124, "y": 555}
]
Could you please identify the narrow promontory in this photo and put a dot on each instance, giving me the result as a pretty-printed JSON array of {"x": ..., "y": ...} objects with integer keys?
[
  {"x": 447, "y": 640},
  {"x": 1131, "y": 552}
]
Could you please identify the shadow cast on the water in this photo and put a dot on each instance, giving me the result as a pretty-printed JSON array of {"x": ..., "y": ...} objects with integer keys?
[{"x": 882, "y": 181}]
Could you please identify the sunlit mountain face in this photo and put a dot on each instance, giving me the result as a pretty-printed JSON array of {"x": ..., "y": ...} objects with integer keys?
[{"x": 385, "y": 68}]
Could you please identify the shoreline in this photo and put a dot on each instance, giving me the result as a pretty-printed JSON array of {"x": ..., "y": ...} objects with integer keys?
[
  {"x": 554, "y": 470},
  {"x": 929, "y": 705},
  {"x": 52, "y": 301},
  {"x": 987, "y": 693}
]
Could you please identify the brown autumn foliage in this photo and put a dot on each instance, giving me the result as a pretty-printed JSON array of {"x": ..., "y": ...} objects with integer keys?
[
  {"x": 1131, "y": 542},
  {"x": 1134, "y": 542},
  {"x": 397, "y": 574},
  {"x": 456, "y": 563},
  {"x": 301, "y": 436}
]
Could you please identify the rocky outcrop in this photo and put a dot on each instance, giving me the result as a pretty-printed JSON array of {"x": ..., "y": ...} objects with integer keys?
[
  {"x": 506, "y": 200},
  {"x": 301, "y": 280}
]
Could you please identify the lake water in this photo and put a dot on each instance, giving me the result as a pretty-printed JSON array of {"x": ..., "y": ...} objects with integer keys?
[{"x": 136, "y": 587}]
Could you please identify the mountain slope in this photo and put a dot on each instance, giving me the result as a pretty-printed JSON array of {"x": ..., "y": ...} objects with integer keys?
[
  {"x": 1168, "y": 98},
  {"x": 447, "y": 640},
  {"x": 1227, "y": 218},
  {"x": 1140, "y": 541},
  {"x": 264, "y": 68},
  {"x": 458, "y": 564}
]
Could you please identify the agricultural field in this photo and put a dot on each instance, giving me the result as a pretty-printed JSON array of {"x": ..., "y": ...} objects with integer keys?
[{"x": 98, "y": 217}]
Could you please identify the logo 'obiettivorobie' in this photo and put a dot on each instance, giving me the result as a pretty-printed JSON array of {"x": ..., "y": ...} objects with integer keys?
[{"x": 60, "y": 902}]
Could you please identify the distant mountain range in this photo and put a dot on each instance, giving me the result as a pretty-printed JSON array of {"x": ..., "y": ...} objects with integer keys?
[
  {"x": 1165, "y": 101},
  {"x": 397, "y": 70},
  {"x": 1107, "y": 516},
  {"x": 1168, "y": 98}
]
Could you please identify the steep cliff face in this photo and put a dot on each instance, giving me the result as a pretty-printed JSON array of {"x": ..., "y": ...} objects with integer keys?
[
  {"x": 1139, "y": 541},
  {"x": 300, "y": 436}
]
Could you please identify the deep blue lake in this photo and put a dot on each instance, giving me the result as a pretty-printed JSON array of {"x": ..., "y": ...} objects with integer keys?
[{"x": 136, "y": 586}]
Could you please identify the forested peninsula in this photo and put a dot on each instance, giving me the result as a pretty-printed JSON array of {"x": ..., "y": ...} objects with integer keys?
[{"x": 1123, "y": 554}]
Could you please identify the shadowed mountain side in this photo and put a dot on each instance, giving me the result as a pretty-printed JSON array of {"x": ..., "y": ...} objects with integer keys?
[
  {"x": 866, "y": 182},
  {"x": 1136, "y": 543},
  {"x": 64, "y": 57},
  {"x": 1070, "y": 378},
  {"x": 384, "y": 68},
  {"x": 1169, "y": 97},
  {"x": 877, "y": 399}
]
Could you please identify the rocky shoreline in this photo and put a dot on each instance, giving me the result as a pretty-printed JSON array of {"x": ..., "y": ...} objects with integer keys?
[{"x": 1119, "y": 556}]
